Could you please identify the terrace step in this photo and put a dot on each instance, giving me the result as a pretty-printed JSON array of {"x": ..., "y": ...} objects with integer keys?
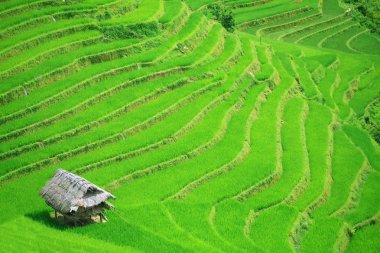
[{"x": 239, "y": 158}]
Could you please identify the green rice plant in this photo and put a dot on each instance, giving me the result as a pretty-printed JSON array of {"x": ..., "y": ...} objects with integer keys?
[
  {"x": 365, "y": 240},
  {"x": 70, "y": 113},
  {"x": 245, "y": 3},
  {"x": 178, "y": 147},
  {"x": 196, "y": 185},
  {"x": 48, "y": 135},
  {"x": 187, "y": 143},
  {"x": 102, "y": 137},
  {"x": 305, "y": 82},
  {"x": 365, "y": 43},
  {"x": 15, "y": 4},
  {"x": 265, "y": 128},
  {"x": 287, "y": 63},
  {"x": 27, "y": 40},
  {"x": 82, "y": 79},
  {"x": 196, "y": 4},
  {"x": 54, "y": 69},
  {"x": 13, "y": 16},
  {"x": 40, "y": 227},
  {"x": 133, "y": 235},
  {"x": 147, "y": 10},
  {"x": 140, "y": 30},
  {"x": 103, "y": 93},
  {"x": 225, "y": 185},
  {"x": 142, "y": 137},
  {"x": 192, "y": 140},
  {"x": 39, "y": 8},
  {"x": 266, "y": 72},
  {"x": 331, "y": 7},
  {"x": 178, "y": 20},
  {"x": 53, "y": 48},
  {"x": 155, "y": 217},
  {"x": 265, "y": 11},
  {"x": 58, "y": 145},
  {"x": 262, "y": 54},
  {"x": 346, "y": 162},
  {"x": 322, "y": 235},
  {"x": 349, "y": 78},
  {"x": 362, "y": 140},
  {"x": 230, "y": 223},
  {"x": 201, "y": 228},
  {"x": 80, "y": 63},
  {"x": 327, "y": 86},
  {"x": 98, "y": 108},
  {"x": 172, "y": 9},
  {"x": 292, "y": 167},
  {"x": 195, "y": 153},
  {"x": 325, "y": 60},
  {"x": 318, "y": 37},
  {"x": 120, "y": 77},
  {"x": 33, "y": 231},
  {"x": 318, "y": 134},
  {"x": 363, "y": 92},
  {"x": 238, "y": 70},
  {"x": 189, "y": 26},
  {"x": 312, "y": 65},
  {"x": 101, "y": 110},
  {"x": 366, "y": 206},
  {"x": 270, "y": 228},
  {"x": 276, "y": 27},
  {"x": 318, "y": 74},
  {"x": 315, "y": 37},
  {"x": 309, "y": 27},
  {"x": 211, "y": 141},
  {"x": 339, "y": 40},
  {"x": 24, "y": 23}
]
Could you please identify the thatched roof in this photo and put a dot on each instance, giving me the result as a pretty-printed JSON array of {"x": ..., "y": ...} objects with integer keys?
[{"x": 66, "y": 192}]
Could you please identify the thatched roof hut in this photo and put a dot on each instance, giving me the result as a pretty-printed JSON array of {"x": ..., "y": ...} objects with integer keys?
[{"x": 75, "y": 198}]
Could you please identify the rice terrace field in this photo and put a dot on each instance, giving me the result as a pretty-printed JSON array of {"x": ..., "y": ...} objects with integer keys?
[{"x": 260, "y": 137}]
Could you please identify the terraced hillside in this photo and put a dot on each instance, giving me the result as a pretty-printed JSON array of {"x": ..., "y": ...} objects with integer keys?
[
  {"x": 211, "y": 141},
  {"x": 324, "y": 23}
]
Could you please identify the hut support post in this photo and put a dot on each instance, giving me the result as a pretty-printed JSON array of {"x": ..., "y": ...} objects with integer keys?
[
  {"x": 55, "y": 215},
  {"x": 101, "y": 218}
]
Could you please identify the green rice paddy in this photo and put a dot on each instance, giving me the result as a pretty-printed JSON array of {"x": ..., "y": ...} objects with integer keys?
[{"x": 261, "y": 140}]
